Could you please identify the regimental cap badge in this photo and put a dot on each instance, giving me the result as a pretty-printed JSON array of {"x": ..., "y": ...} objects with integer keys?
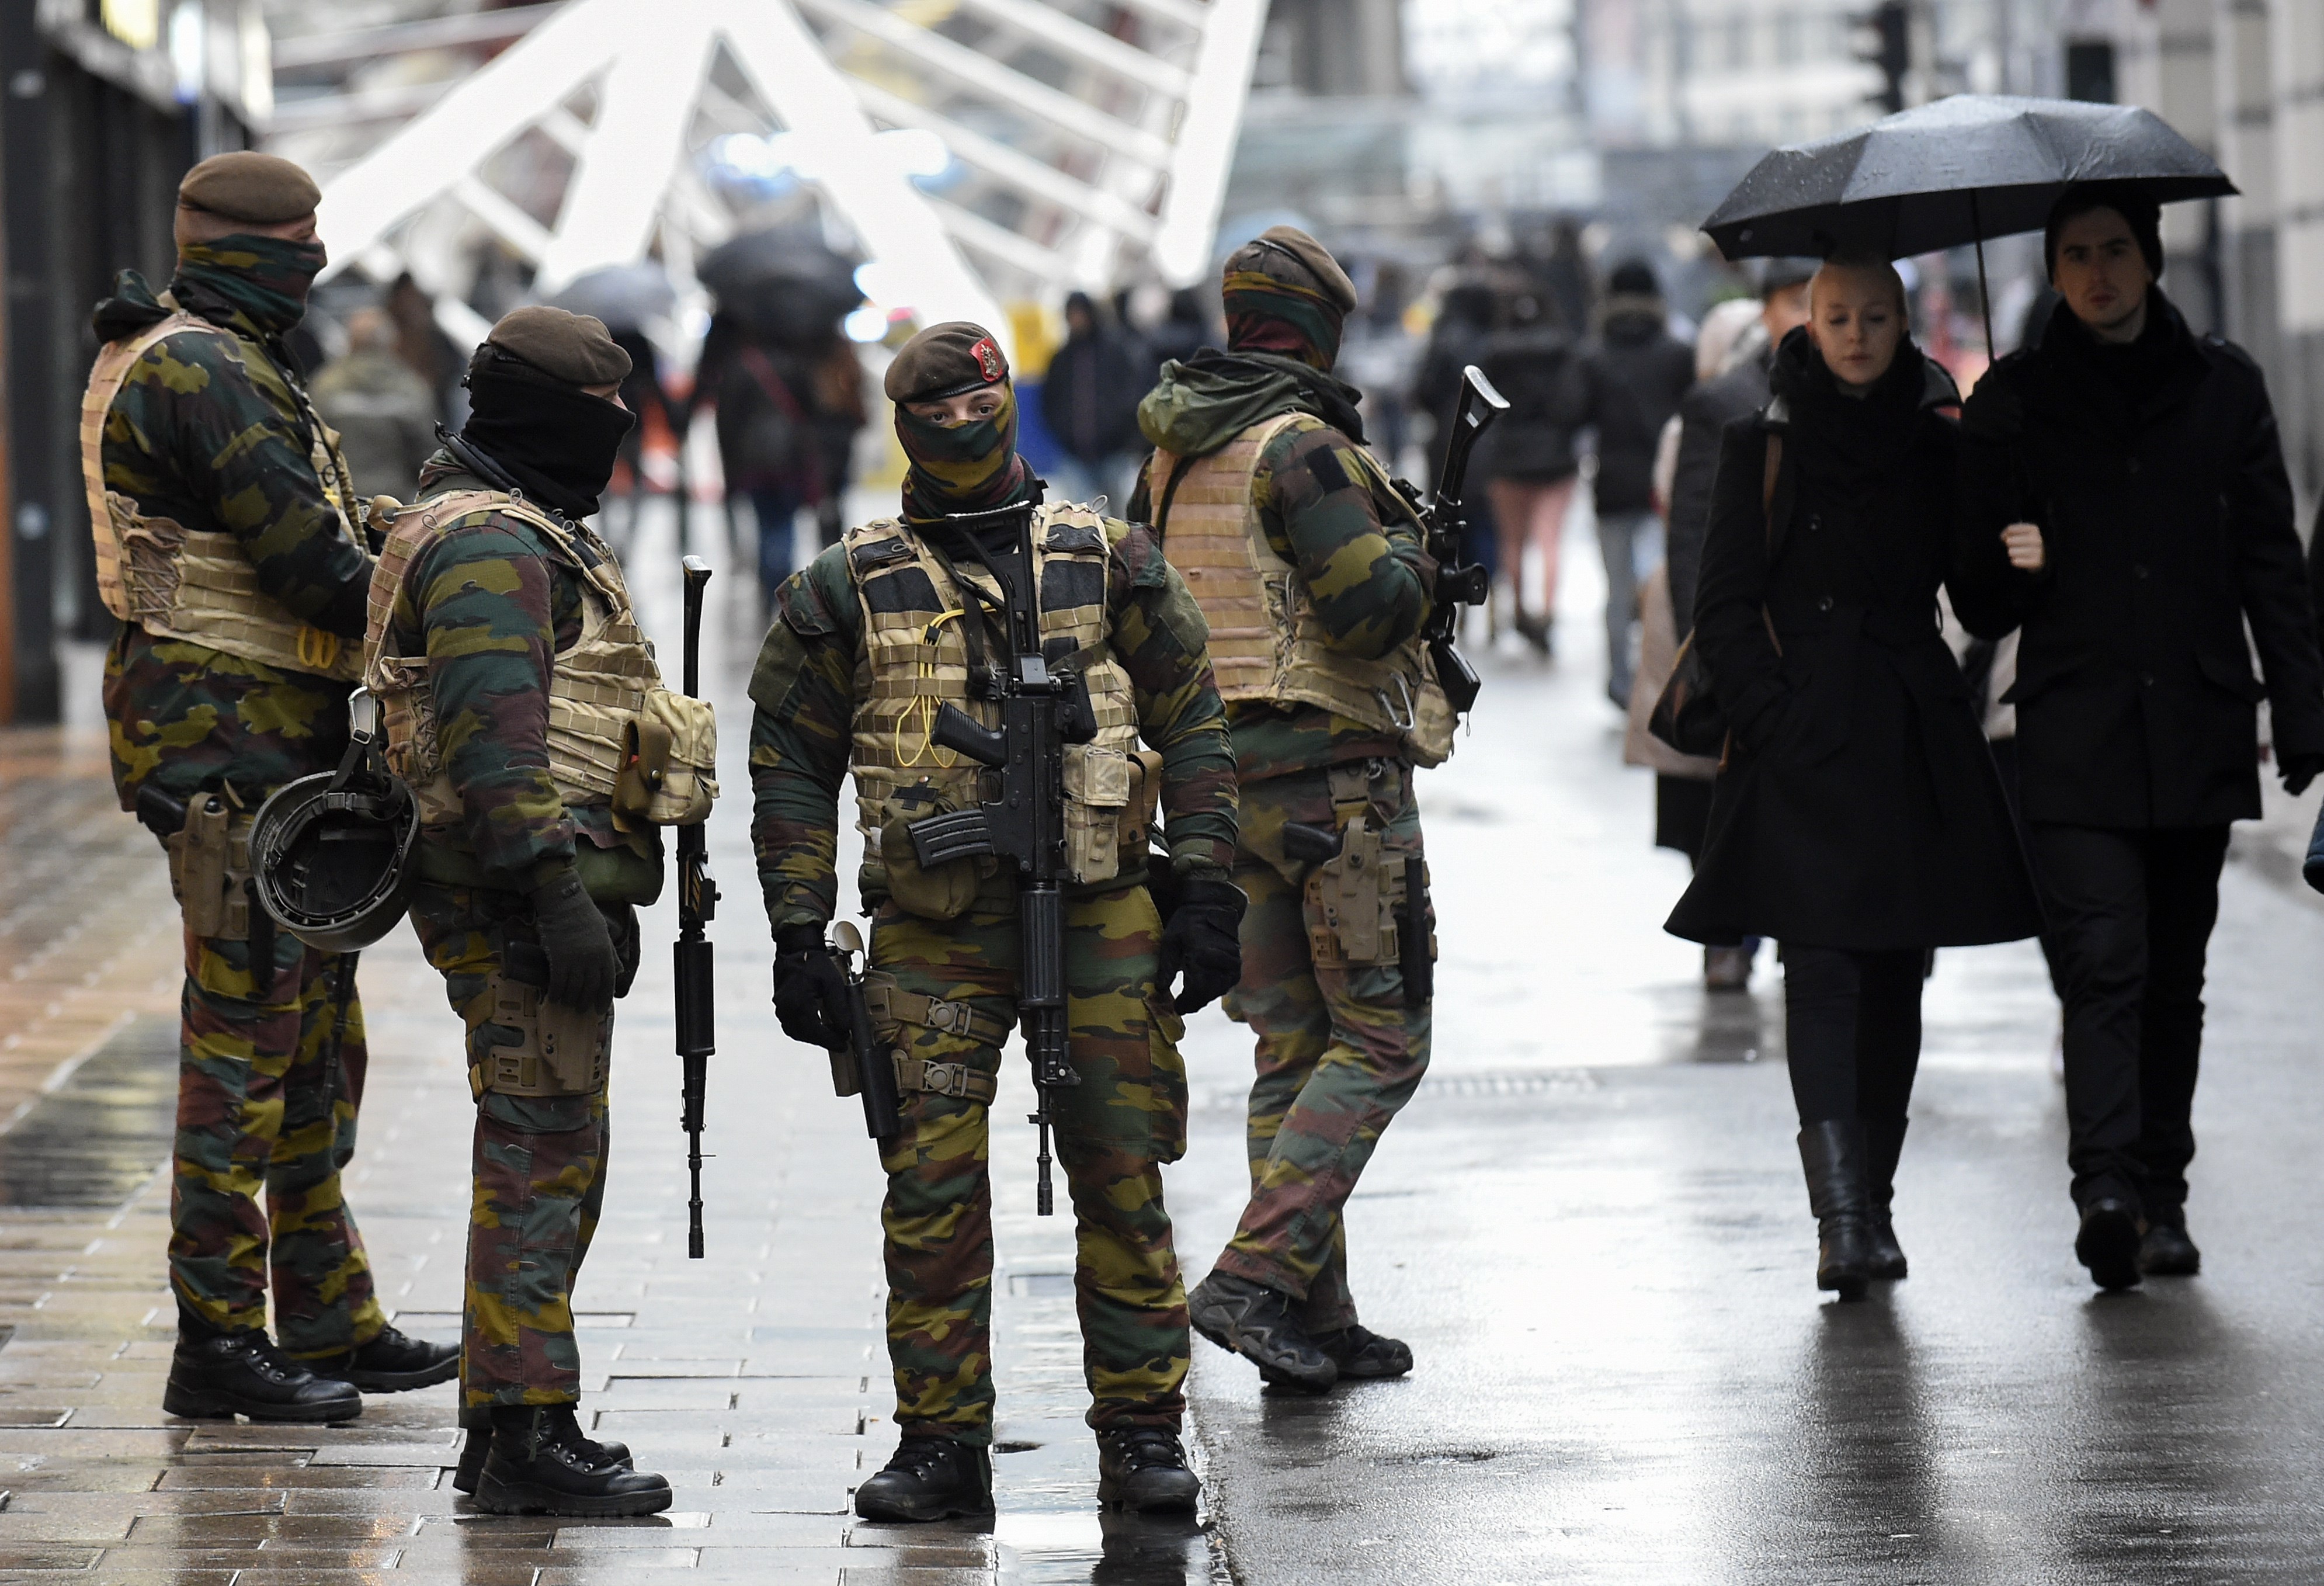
[{"x": 987, "y": 354}]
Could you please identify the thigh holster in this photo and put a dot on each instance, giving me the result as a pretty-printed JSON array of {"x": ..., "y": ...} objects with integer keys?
[
  {"x": 892, "y": 1008},
  {"x": 210, "y": 870},
  {"x": 565, "y": 1052}
]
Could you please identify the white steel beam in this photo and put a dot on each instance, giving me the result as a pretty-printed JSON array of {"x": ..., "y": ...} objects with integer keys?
[
  {"x": 1011, "y": 248},
  {"x": 981, "y": 75},
  {"x": 1205, "y": 149},
  {"x": 506, "y": 221},
  {"x": 1074, "y": 40}
]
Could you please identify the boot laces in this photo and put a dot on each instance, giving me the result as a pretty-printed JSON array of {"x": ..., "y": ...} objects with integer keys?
[
  {"x": 1139, "y": 1447},
  {"x": 919, "y": 1456},
  {"x": 267, "y": 1358}
]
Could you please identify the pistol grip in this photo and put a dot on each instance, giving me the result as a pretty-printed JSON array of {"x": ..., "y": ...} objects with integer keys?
[
  {"x": 1310, "y": 844},
  {"x": 958, "y": 731}
]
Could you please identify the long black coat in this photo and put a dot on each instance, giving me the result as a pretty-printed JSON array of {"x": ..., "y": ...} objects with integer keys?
[
  {"x": 1636, "y": 371},
  {"x": 1858, "y": 807},
  {"x": 1704, "y": 415},
  {"x": 2157, "y": 476}
]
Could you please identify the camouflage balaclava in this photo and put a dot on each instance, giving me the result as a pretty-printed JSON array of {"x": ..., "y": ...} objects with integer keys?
[
  {"x": 971, "y": 467},
  {"x": 1286, "y": 295}
]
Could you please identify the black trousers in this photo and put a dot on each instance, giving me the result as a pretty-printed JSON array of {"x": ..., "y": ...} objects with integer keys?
[
  {"x": 2130, "y": 914},
  {"x": 1852, "y": 1031}
]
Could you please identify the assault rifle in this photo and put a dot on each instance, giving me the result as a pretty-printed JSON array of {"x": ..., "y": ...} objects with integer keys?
[
  {"x": 1042, "y": 710},
  {"x": 697, "y": 905},
  {"x": 1442, "y": 526}
]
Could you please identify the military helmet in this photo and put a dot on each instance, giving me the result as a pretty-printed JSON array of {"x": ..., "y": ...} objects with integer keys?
[{"x": 329, "y": 854}]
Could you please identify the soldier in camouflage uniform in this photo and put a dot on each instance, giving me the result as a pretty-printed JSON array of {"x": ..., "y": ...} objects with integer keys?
[
  {"x": 868, "y": 642},
  {"x": 509, "y": 667},
  {"x": 226, "y": 547},
  {"x": 1309, "y": 565}
]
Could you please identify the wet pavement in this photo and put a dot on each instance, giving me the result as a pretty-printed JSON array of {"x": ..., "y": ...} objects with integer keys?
[{"x": 1589, "y": 1223}]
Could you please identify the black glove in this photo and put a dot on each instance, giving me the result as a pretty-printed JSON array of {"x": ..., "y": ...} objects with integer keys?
[
  {"x": 583, "y": 967},
  {"x": 809, "y": 987},
  {"x": 622, "y": 921},
  {"x": 2299, "y": 771},
  {"x": 1203, "y": 937}
]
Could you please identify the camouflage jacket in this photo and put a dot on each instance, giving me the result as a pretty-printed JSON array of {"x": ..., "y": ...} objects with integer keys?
[
  {"x": 214, "y": 433},
  {"x": 804, "y": 688},
  {"x": 1369, "y": 582},
  {"x": 490, "y": 604}
]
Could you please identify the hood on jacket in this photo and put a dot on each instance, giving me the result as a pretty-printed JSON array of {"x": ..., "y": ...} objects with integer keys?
[{"x": 1204, "y": 401}]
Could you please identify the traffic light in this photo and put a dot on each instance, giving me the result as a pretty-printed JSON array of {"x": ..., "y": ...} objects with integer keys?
[{"x": 1888, "y": 46}]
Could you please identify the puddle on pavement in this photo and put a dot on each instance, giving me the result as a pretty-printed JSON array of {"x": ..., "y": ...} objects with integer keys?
[
  {"x": 97, "y": 1136},
  {"x": 1106, "y": 1549}
]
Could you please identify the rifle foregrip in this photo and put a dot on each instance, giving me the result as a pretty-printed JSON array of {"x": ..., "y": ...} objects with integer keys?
[{"x": 939, "y": 839}]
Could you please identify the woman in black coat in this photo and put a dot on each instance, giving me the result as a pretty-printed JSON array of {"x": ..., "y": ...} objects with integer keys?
[{"x": 1858, "y": 819}]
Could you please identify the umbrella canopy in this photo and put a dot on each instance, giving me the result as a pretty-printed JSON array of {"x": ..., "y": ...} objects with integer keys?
[
  {"x": 785, "y": 284},
  {"x": 626, "y": 296},
  {"x": 1953, "y": 172}
]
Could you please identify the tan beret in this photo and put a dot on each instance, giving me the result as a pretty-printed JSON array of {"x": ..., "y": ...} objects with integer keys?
[
  {"x": 568, "y": 347},
  {"x": 943, "y": 361},
  {"x": 263, "y": 189},
  {"x": 1286, "y": 252}
]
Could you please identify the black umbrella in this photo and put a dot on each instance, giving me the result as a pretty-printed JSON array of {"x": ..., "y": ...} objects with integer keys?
[
  {"x": 786, "y": 283},
  {"x": 1957, "y": 172}
]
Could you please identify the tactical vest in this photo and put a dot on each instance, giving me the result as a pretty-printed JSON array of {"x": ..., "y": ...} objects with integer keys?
[
  {"x": 610, "y": 719},
  {"x": 199, "y": 584},
  {"x": 1267, "y": 644},
  {"x": 914, "y": 660}
]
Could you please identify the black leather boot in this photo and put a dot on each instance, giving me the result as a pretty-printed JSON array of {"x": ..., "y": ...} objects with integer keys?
[
  {"x": 1256, "y": 1321},
  {"x": 929, "y": 1479},
  {"x": 478, "y": 1446},
  {"x": 2166, "y": 1252},
  {"x": 1883, "y": 1143},
  {"x": 1358, "y": 1352},
  {"x": 2109, "y": 1240},
  {"x": 218, "y": 1376},
  {"x": 541, "y": 1464},
  {"x": 1832, "y": 1153},
  {"x": 1144, "y": 1468},
  {"x": 391, "y": 1363}
]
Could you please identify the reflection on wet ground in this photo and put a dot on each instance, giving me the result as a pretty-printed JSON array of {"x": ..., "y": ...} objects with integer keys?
[{"x": 96, "y": 1131}]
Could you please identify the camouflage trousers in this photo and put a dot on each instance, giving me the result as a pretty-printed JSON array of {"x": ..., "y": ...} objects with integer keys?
[
  {"x": 1114, "y": 1130},
  {"x": 539, "y": 1166},
  {"x": 1338, "y": 1053},
  {"x": 264, "y": 1105}
]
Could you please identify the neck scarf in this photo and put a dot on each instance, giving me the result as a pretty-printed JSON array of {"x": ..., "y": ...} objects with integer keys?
[
  {"x": 1206, "y": 400},
  {"x": 1264, "y": 315},
  {"x": 962, "y": 468},
  {"x": 556, "y": 441},
  {"x": 260, "y": 281},
  {"x": 1849, "y": 448}
]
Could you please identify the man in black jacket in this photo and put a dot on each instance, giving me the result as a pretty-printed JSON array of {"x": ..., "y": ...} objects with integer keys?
[
  {"x": 2125, "y": 484},
  {"x": 1635, "y": 372}
]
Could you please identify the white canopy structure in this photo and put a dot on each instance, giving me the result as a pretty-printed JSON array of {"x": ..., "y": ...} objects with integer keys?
[{"x": 1088, "y": 142}]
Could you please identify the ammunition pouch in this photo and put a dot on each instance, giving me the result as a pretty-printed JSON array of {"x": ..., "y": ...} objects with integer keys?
[
  {"x": 670, "y": 756},
  {"x": 565, "y": 1052},
  {"x": 947, "y": 891},
  {"x": 1097, "y": 794},
  {"x": 209, "y": 871}
]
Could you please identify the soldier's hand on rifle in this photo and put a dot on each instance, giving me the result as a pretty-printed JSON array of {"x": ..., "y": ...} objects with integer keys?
[
  {"x": 808, "y": 986},
  {"x": 582, "y": 966},
  {"x": 1203, "y": 937}
]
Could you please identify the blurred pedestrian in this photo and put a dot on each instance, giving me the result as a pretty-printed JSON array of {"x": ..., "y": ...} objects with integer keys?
[
  {"x": 785, "y": 424},
  {"x": 643, "y": 394},
  {"x": 1738, "y": 390},
  {"x": 1635, "y": 372},
  {"x": 1089, "y": 401},
  {"x": 1530, "y": 462},
  {"x": 385, "y": 412},
  {"x": 422, "y": 345},
  {"x": 2127, "y": 502},
  {"x": 227, "y": 548},
  {"x": 1315, "y": 586},
  {"x": 1858, "y": 818}
]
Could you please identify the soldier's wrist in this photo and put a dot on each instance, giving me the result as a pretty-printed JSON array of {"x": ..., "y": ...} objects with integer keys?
[{"x": 799, "y": 937}]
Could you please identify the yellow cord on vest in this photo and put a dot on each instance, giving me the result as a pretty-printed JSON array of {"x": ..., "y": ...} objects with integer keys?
[
  {"x": 925, "y": 705},
  {"x": 318, "y": 648}
]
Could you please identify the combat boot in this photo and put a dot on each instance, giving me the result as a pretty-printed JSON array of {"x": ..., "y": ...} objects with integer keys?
[
  {"x": 541, "y": 1464},
  {"x": 1831, "y": 1152},
  {"x": 1883, "y": 1143},
  {"x": 1144, "y": 1468},
  {"x": 217, "y": 1375},
  {"x": 1358, "y": 1352},
  {"x": 391, "y": 1363},
  {"x": 1255, "y": 1321},
  {"x": 2166, "y": 1252},
  {"x": 478, "y": 1446},
  {"x": 928, "y": 1478}
]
